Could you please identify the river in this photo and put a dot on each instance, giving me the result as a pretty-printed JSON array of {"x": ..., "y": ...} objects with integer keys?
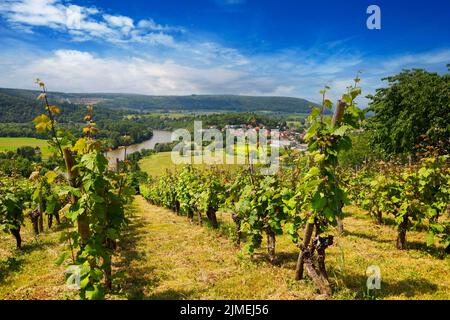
[{"x": 159, "y": 136}]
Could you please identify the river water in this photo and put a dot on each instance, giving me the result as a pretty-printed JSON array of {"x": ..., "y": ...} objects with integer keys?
[{"x": 159, "y": 136}]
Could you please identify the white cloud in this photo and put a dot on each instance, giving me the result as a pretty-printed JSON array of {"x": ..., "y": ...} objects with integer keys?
[
  {"x": 437, "y": 57},
  {"x": 160, "y": 62},
  {"x": 77, "y": 71},
  {"x": 125, "y": 24},
  {"x": 155, "y": 38},
  {"x": 83, "y": 23},
  {"x": 180, "y": 74},
  {"x": 150, "y": 24},
  {"x": 35, "y": 12}
]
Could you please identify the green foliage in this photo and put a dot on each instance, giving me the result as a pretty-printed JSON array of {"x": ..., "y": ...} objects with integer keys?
[
  {"x": 98, "y": 198},
  {"x": 319, "y": 197},
  {"x": 411, "y": 194},
  {"x": 262, "y": 203},
  {"x": 360, "y": 153},
  {"x": 13, "y": 165},
  {"x": 29, "y": 153},
  {"x": 208, "y": 103},
  {"x": 188, "y": 189},
  {"x": 271, "y": 204},
  {"x": 212, "y": 191},
  {"x": 102, "y": 196},
  {"x": 414, "y": 103},
  {"x": 14, "y": 197},
  {"x": 185, "y": 103}
]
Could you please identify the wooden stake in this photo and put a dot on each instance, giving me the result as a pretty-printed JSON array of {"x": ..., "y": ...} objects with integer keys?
[
  {"x": 83, "y": 221},
  {"x": 337, "y": 118},
  {"x": 338, "y": 113}
]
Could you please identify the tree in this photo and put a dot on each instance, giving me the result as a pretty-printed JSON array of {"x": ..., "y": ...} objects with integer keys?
[
  {"x": 30, "y": 153},
  {"x": 415, "y": 103}
]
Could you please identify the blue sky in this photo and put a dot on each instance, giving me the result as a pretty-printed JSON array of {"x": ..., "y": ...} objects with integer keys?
[{"x": 253, "y": 47}]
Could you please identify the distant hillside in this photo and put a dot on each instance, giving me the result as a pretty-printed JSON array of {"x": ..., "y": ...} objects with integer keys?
[
  {"x": 208, "y": 102},
  {"x": 21, "y": 106},
  {"x": 180, "y": 103}
]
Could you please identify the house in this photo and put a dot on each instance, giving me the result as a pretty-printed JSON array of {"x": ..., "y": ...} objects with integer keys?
[{"x": 282, "y": 143}]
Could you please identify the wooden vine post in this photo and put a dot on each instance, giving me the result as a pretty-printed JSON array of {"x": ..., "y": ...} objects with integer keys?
[
  {"x": 305, "y": 259},
  {"x": 337, "y": 118},
  {"x": 82, "y": 219}
]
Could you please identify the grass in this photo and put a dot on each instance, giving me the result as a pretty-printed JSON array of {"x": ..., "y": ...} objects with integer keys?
[
  {"x": 183, "y": 261},
  {"x": 157, "y": 164},
  {"x": 11, "y": 144},
  {"x": 31, "y": 273},
  {"x": 162, "y": 256}
]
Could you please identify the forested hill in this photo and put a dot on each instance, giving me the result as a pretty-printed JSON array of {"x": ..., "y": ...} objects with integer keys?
[
  {"x": 21, "y": 106},
  {"x": 182, "y": 103},
  {"x": 209, "y": 102}
]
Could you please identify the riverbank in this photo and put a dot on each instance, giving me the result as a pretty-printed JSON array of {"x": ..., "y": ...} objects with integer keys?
[{"x": 159, "y": 136}]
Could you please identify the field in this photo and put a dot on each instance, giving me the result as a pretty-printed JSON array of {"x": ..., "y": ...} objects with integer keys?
[
  {"x": 11, "y": 144},
  {"x": 162, "y": 256},
  {"x": 155, "y": 165}
]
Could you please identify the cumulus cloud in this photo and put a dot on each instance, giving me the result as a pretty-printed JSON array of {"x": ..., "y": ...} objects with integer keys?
[
  {"x": 157, "y": 62},
  {"x": 83, "y": 23},
  {"x": 437, "y": 57},
  {"x": 150, "y": 24},
  {"x": 73, "y": 70},
  {"x": 81, "y": 71},
  {"x": 125, "y": 24}
]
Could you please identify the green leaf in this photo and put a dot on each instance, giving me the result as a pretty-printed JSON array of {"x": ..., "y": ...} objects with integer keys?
[
  {"x": 354, "y": 110},
  {"x": 74, "y": 212},
  {"x": 51, "y": 176},
  {"x": 314, "y": 171},
  {"x": 330, "y": 214},
  {"x": 84, "y": 281},
  {"x": 95, "y": 292},
  {"x": 355, "y": 92},
  {"x": 342, "y": 130},
  {"x": 63, "y": 257},
  {"x": 430, "y": 239},
  {"x": 327, "y": 103},
  {"x": 318, "y": 202},
  {"x": 347, "y": 99},
  {"x": 314, "y": 112}
]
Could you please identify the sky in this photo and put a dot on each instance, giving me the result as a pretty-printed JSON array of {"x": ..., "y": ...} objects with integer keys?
[{"x": 250, "y": 47}]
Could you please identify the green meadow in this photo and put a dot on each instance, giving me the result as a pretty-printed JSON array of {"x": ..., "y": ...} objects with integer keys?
[{"x": 11, "y": 144}]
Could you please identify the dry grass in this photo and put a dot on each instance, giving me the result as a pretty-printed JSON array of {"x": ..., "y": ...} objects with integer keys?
[
  {"x": 31, "y": 273},
  {"x": 162, "y": 256},
  {"x": 171, "y": 259}
]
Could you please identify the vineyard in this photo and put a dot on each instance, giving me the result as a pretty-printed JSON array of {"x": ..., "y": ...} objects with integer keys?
[
  {"x": 209, "y": 228},
  {"x": 310, "y": 196}
]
